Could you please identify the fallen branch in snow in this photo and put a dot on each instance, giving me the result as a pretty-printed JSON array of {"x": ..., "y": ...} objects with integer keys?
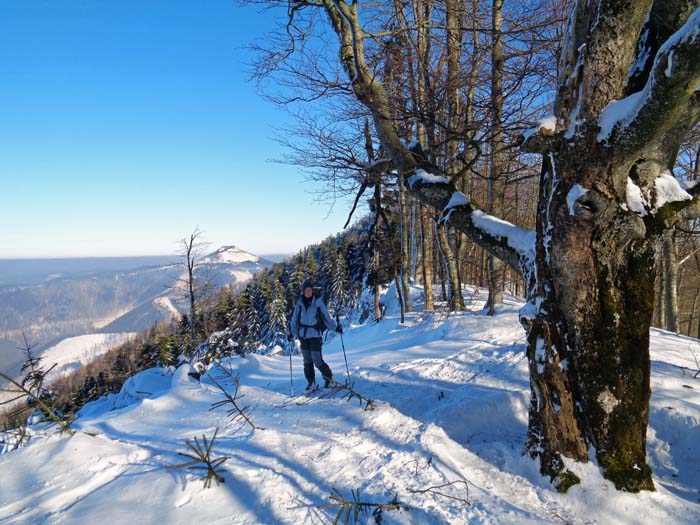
[
  {"x": 437, "y": 491},
  {"x": 351, "y": 392},
  {"x": 564, "y": 520},
  {"x": 349, "y": 511},
  {"x": 202, "y": 454},
  {"x": 416, "y": 464},
  {"x": 237, "y": 411}
]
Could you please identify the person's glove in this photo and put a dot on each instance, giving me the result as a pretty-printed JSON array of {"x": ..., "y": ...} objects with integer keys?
[
  {"x": 290, "y": 337},
  {"x": 339, "y": 328}
]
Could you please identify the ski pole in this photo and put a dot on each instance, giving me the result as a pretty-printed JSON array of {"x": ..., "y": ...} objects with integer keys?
[
  {"x": 342, "y": 342},
  {"x": 290, "y": 342}
]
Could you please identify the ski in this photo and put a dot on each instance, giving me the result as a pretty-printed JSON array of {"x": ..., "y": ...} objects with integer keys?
[{"x": 311, "y": 392}]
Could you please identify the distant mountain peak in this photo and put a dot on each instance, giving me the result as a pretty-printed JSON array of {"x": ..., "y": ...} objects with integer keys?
[{"x": 230, "y": 254}]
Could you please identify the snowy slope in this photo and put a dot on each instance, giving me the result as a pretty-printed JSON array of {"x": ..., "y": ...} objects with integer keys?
[
  {"x": 74, "y": 352},
  {"x": 452, "y": 396},
  {"x": 230, "y": 254}
]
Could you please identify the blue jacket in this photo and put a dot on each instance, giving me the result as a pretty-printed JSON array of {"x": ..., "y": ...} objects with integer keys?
[{"x": 304, "y": 320}]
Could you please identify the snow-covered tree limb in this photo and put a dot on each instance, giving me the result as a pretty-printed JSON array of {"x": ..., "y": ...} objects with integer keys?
[
  {"x": 541, "y": 137},
  {"x": 671, "y": 91},
  {"x": 664, "y": 18},
  {"x": 599, "y": 45},
  {"x": 513, "y": 245}
]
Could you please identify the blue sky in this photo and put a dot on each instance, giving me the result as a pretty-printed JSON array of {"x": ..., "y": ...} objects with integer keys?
[{"x": 126, "y": 123}]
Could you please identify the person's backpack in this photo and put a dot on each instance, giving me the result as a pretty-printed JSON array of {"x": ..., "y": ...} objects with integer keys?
[{"x": 320, "y": 325}]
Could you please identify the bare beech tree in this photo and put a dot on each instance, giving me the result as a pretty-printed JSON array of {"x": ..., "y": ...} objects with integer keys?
[
  {"x": 195, "y": 285},
  {"x": 628, "y": 93}
]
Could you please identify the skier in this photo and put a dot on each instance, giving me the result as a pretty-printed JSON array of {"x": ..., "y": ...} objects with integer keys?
[{"x": 309, "y": 320}]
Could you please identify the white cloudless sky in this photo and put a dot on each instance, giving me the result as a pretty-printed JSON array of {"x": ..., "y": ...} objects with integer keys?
[{"x": 125, "y": 124}]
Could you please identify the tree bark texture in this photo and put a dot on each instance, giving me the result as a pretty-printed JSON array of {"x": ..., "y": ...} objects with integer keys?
[
  {"x": 405, "y": 249},
  {"x": 427, "y": 225},
  {"x": 496, "y": 187},
  {"x": 454, "y": 15},
  {"x": 670, "y": 280}
]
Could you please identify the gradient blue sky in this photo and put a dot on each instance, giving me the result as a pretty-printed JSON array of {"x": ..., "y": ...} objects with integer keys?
[{"x": 126, "y": 123}]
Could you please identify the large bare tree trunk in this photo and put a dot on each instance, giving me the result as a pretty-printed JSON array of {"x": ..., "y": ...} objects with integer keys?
[
  {"x": 427, "y": 256},
  {"x": 454, "y": 15},
  {"x": 454, "y": 298},
  {"x": 659, "y": 318},
  {"x": 495, "y": 178},
  {"x": 670, "y": 281},
  {"x": 405, "y": 249},
  {"x": 589, "y": 334},
  {"x": 377, "y": 287},
  {"x": 422, "y": 10}
]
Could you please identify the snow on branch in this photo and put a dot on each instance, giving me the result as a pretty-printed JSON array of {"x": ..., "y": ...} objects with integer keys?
[
  {"x": 546, "y": 125},
  {"x": 674, "y": 79},
  {"x": 666, "y": 191},
  {"x": 424, "y": 177},
  {"x": 513, "y": 245},
  {"x": 535, "y": 139}
]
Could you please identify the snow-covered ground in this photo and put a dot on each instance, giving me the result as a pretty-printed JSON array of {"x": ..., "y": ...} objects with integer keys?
[{"x": 452, "y": 396}]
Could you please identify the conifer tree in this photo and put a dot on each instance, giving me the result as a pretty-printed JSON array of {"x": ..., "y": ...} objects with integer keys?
[
  {"x": 297, "y": 278},
  {"x": 278, "y": 317},
  {"x": 340, "y": 284},
  {"x": 311, "y": 266},
  {"x": 326, "y": 269}
]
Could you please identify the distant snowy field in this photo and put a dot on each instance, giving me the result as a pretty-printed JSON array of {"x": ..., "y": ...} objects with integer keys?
[
  {"x": 74, "y": 352},
  {"x": 452, "y": 397}
]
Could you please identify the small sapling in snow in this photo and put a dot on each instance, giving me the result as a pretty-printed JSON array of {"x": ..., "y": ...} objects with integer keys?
[
  {"x": 237, "y": 412},
  {"x": 201, "y": 460},
  {"x": 30, "y": 389}
]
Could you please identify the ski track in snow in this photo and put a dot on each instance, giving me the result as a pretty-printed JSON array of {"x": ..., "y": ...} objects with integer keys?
[{"x": 452, "y": 396}]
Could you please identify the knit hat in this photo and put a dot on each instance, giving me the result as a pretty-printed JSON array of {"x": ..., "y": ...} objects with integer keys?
[{"x": 308, "y": 283}]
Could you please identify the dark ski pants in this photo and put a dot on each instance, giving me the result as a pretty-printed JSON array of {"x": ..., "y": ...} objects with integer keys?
[{"x": 311, "y": 350}]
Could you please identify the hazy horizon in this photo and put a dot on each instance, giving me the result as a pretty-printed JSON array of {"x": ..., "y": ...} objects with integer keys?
[
  {"x": 28, "y": 271},
  {"x": 269, "y": 256}
]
